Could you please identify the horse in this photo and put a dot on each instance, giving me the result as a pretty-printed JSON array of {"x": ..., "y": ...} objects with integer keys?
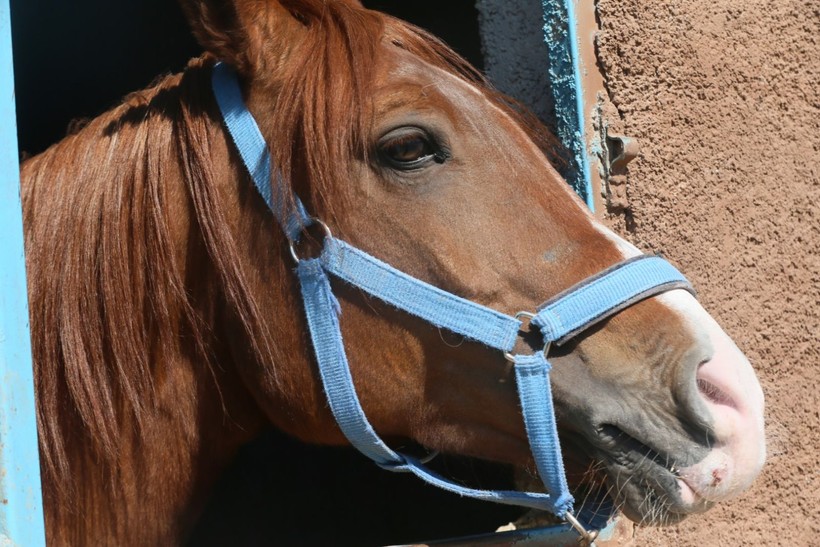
[{"x": 166, "y": 321}]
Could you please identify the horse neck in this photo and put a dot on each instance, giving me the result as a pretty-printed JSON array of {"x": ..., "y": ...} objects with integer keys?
[{"x": 139, "y": 401}]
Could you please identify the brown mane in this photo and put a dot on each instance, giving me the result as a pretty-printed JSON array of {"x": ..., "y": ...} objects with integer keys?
[
  {"x": 113, "y": 302},
  {"x": 107, "y": 292}
]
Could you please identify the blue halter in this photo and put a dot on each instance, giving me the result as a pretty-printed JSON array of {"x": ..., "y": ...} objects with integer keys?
[{"x": 576, "y": 309}]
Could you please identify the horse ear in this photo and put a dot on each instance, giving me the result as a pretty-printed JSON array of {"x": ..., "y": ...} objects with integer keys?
[{"x": 231, "y": 29}]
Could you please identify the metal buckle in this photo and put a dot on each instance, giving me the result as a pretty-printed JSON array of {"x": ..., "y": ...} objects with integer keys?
[
  {"x": 530, "y": 316},
  {"x": 292, "y": 243}
]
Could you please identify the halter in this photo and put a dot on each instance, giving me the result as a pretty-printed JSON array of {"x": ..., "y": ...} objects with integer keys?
[{"x": 564, "y": 316}]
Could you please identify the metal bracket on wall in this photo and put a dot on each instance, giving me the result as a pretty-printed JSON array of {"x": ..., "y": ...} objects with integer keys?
[{"x": 618, "y": 151}]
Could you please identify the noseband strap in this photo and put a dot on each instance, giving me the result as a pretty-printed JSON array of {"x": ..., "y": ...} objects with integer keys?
[
  {"x": 561, "y": 318},
  {"x": 604, "y": 294}
]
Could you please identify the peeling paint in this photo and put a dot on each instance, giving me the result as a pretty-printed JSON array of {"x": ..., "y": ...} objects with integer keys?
[
  {"x": 565, "y": 83},
  {"x": 528, "y": 54}
]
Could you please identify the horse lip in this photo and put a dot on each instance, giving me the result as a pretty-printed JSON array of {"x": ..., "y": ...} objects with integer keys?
[
  {"x": 616, "y": 440},
  {"x": 688, "y": 495},
  {"x": 671, "y": 494},
  {"x": 640, "y": 472}
]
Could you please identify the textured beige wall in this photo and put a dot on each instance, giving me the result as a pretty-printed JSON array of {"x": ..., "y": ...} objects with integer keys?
[{"x": 723, "y": 95}]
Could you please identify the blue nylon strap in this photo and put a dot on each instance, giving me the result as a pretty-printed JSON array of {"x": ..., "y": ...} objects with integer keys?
[
  {"x": 535, "y": 395},
  {"x": 604, "y": 295},
  {"x": 442, "y": 309},
  {"x": 322, "y": 311},
  {"x": 255, "y": 154},
  {"x": 533, "y": 500}
]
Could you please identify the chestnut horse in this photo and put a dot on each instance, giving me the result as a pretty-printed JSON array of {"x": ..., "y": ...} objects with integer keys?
[{"x": 166, "y": 321}]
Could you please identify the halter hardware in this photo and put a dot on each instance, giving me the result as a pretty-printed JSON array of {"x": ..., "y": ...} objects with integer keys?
[
  {"x": 561, "y": 318},
  {"x": 293, "y": 242},
  {"x": 588, "y": 537},
  {"x": 529, "y": 316}
]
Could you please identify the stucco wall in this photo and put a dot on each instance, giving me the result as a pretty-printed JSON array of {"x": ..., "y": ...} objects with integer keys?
[{"x": 723, "y": 96}]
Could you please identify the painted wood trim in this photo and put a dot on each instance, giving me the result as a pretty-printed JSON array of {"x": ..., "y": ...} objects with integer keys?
[{"x": 21, "y": 505}]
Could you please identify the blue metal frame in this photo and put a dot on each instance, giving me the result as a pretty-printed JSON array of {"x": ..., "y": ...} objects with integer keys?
[{"x": 21, "y": 504}]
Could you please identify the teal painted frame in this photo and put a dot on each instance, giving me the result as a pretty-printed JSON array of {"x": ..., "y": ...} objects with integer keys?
[
  {"x": 21, "y": 504},
  {"x": 566, "y": 84}
]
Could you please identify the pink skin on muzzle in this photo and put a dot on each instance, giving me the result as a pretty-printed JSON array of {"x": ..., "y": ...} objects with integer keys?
[
  {"x": 732, "y": 394},
  {"x": 733, "y": 397}
]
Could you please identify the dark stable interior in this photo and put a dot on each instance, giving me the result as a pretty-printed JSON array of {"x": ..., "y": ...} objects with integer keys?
[{"x": 74, "y": 60}]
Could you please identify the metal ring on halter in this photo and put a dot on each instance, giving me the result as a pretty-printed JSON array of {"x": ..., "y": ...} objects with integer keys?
[
  {"x": 530, "y": 316},
  {"x": 313, "y": 220},
  {"x": 587, "y": 537}
]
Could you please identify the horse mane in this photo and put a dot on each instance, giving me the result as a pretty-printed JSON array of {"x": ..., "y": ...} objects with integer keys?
[
  {"x": 107, "y": 292},
  {"x": 111, "y": 299}
]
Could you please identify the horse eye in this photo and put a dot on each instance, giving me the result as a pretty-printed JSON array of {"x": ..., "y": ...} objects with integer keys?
[{"x": 408, "y": 148}]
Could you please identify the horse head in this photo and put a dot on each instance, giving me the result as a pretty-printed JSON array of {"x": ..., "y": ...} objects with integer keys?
[{"x": 411, "y": 156}]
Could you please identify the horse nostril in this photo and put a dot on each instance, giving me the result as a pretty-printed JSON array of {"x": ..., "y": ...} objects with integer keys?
[{"x": 713, "y": 393}]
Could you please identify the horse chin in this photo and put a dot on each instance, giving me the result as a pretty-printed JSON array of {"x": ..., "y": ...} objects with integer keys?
[
  {"x": 654, "y": 496},
  {"x": 640, "y": 480}
]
